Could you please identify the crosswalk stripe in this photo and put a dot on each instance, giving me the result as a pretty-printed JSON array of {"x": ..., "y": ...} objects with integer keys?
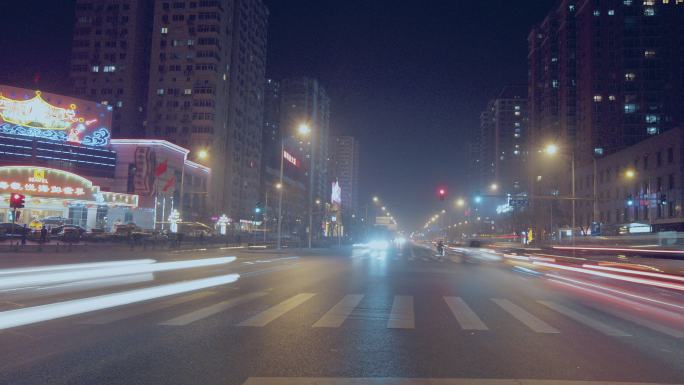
[
  {"x": 209, "y": 311},
  {"x": 522, "y": 315},
  {"x": 271, "y": 314},
  {"x": 114, "y": 315},
  {"x": 465, "y": 316},
  {"x": 402, "y": 316},
  {"x": 581, "y": 318},
  {"x": 336, "y": 316}
]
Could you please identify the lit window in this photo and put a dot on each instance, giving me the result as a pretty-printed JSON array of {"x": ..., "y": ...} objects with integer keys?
[
  {"x": 517, "y": 108},
  {"x": 611, "y": 12},
  {"x": 571, "y": 7},
  {"x": 516, "y": 113},
  {"x": 109, "y": 69},
  {"x": 96, "y": 69},
  {"x": 119, "y": 104},
  {"x": 160, "y": 91},
  {"x": 517, "y": 124},
  {"x": 191, "y": 42},
  {"x": 516, "y": 152},
  {"x": 598, "y": 98},
  {"x": 516, "y": 135},
  {"x": 630, "y": 108},
  {"x": 598, "y": 151},
  {"x": 164, "y": 30},
  {"x": 649, "y": 53},
  {"x": 554, "y": 83},
  {"x": 652, "y": 130},
  {"x": 104, "y": 102},
  {"x": 611, "y": 98},
  {"x": 630, "y": 76},
  {"x": 187, "y": 91},
  {"x": 597, "y": 12},
  {"x": 649, "y": 12},
  {"x": 627, "y": 2},
  {"x": 650, "y": 118}
]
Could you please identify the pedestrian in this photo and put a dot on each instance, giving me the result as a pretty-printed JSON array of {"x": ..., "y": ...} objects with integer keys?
[
  {"x": 47, "y": 234},
  {"x": 43, "y": 234},
  {"x": 24, "y": 234}
]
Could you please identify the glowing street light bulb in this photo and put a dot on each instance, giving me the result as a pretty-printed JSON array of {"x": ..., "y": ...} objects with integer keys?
[
  {"x": 203, "y": 154},
  {"x": 460, "y": 202},
  {"x": 630, "y": 174},
  {"x": 304, "y": 129},
  {"x": 494, "y": 187},
  {"x": 551, "y": 149},
  {"x": 279, "y": 186},
  {"x": 384, "y": 208},
  {"x": 376, "y": 199}
]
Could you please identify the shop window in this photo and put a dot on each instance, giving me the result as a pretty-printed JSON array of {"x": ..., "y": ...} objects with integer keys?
[{"x": 78, "y": 215}]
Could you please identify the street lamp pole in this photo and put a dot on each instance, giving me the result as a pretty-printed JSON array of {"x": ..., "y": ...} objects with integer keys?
[
  {"x": 572, "y": 156},
  {"x": 280, "y": 192},
  {"x": 311, "y": 192}
]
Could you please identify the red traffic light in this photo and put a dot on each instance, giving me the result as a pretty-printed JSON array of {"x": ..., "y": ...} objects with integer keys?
[
  {"x": 17, "y": 201},
  {"x": 442, "y": 193}
]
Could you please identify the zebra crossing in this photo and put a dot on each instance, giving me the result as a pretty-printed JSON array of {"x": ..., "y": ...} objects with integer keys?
[{"x": 400, "y": 315}]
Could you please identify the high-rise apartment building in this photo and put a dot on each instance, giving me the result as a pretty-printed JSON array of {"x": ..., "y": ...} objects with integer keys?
[
  {"x": 345, "y": 163},
  {"x": 304, "y": 100},
  {"x": 270, "y": 135},
  {"x": 602, "y": 76},
  {"x": 206, "y": 91},
  {"x": 110, "y": 59},
  {"x": 503, "y": 138}
]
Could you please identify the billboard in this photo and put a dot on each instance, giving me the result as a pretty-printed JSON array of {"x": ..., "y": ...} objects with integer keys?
[
  {"x": 53, "y": 117},
  {"x": 336, "y": 196}
]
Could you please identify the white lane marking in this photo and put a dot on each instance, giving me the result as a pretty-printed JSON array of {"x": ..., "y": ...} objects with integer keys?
[
  {"x": 209, "y": 311},
  {"x": 34, "y": 314},
  {"x": 465, "y": 316},
  {"x": 271, "y": 314},
  {"x": 336, "y": 316},
  {"x": 424, "y": 381},
  {"x": 522, "y": 315},
  {"x": 581, "y": 318},
  {"x": 402, "y": 316},
  {"x": 113, "y": 315}
]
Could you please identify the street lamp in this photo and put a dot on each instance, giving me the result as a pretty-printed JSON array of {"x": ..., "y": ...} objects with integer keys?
[
  {"x": 375, "y": 199},
  {"x": 460, "y": 202},
  {"x": 302, "y": 130},
  {"x": 203, "y": 154},
  {"x": 494, "y": 187},
  {"x": 552, "y": 149},
  {"x": 630, "y": 174},
  {"x": 383, "y": 208}
]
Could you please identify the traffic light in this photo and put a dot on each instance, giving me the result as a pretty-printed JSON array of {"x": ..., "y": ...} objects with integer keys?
[
  {"x": 17, "y": 201},
  {"x": 442, "y": 193},
  {"x": 663, "y": 199},
  {"x": 630, "y": 200},
  {"x": 478, "y": 197}
]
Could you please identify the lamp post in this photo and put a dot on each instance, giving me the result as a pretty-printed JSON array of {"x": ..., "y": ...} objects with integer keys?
[
  {"x": 302, "y": 130},
  {"x": 552, "y": 149}
]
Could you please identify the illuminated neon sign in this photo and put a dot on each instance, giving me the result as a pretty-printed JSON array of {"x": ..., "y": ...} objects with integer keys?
[
  {"x": 290, "y": 158},
  {"x": 46, "y": 182},
  {"x": 34, "y": 114}
]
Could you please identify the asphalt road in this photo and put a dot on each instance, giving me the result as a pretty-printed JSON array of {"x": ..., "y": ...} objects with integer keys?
[{"x": 330, "y": 317}]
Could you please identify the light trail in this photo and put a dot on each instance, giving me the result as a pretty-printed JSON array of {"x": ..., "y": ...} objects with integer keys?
[
  {"x": 636, "y": 272},
  {"x": 30, "y": 315},
  {"x": 643, "y": 281},
  {"x": 20, "y": 281},
  {"x": 75, "y": 266},
  {"x": 655, "y": 251}
]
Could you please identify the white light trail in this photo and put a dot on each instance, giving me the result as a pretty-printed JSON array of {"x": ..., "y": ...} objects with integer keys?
[
  {"x": 619, "y": 277},
  {"x": 636, "y": 272},
  {"x": 30, "y": 315},
  {"x": 80, "y": 275},
  {"x": 75, "y": 266}
]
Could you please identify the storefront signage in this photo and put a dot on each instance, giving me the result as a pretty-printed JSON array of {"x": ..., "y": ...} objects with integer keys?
[
  {"x": 290, "y": 158},
  {"x": 46, "y": 182},
  {"x": 53, "y": 117}
]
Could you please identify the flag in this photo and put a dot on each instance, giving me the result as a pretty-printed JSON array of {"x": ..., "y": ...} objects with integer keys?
[
  {"x": 169, "y": 182},
  {"x": 161, "y": 168}
]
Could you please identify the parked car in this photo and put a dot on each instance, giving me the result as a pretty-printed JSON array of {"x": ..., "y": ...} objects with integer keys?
[
  {"x": 6, "y": 229},
  {"x": 196, "y": 229},
  {"x": 68, "y": 232}
]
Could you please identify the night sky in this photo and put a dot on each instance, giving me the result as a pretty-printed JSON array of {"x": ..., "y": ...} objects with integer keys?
[{"x": 408, "y": 78}]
